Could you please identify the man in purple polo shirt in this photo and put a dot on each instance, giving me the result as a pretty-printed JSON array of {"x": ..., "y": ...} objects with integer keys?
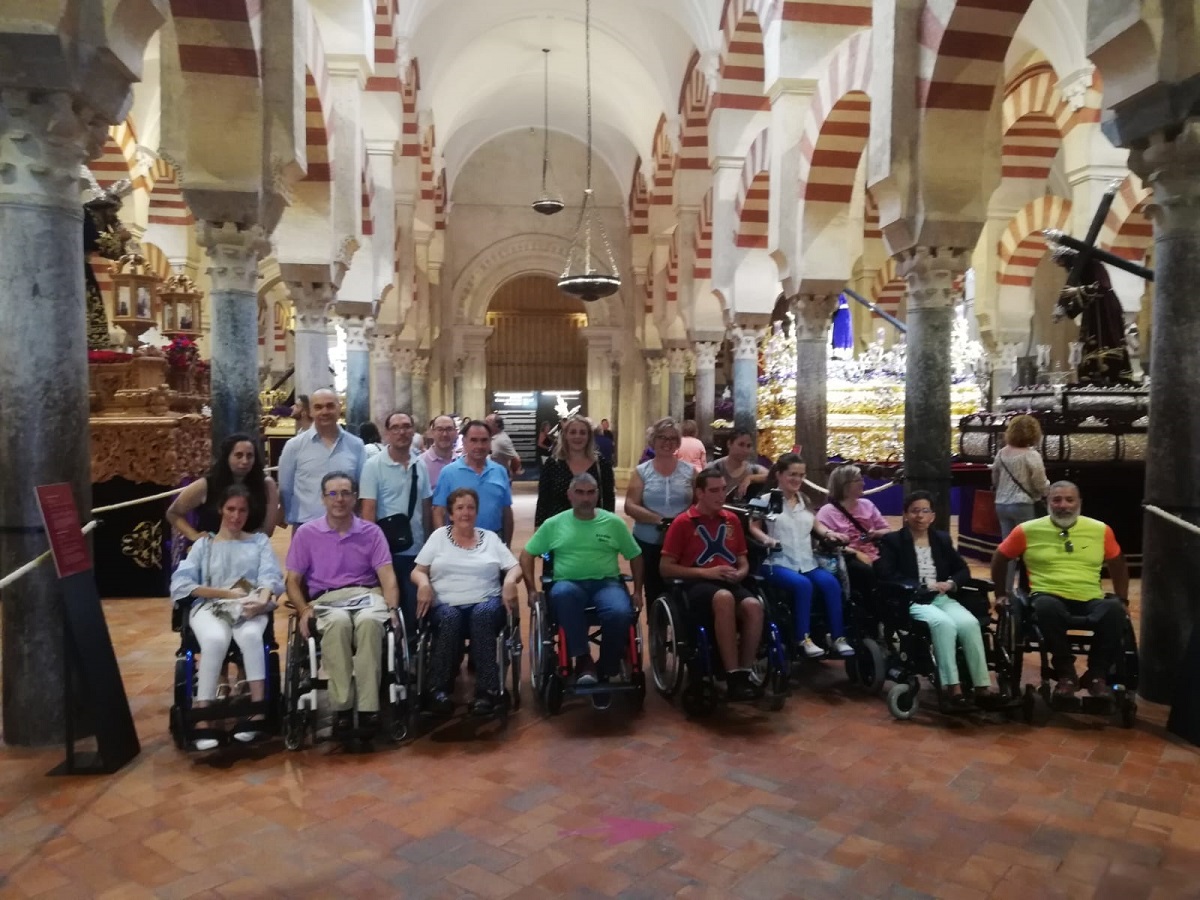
[{"x": 339, "y": 571}]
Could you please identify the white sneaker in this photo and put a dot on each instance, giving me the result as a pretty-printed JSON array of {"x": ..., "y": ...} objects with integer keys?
[
  {"x": 843, "y": 648},
  {"x": 205, "y": 744},
  {"x": 245, "y": 736},
  {"x": 811, "y": 650}
]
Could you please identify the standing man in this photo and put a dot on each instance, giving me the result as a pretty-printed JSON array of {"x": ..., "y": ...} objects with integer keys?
[
  {"x": 396, "y": 495},
  {"x": 441, "y": 452},
  {"x": 503, "y": 451},
  {"x": 311, "y": 455},
  {"x": 476, "y": 471}
]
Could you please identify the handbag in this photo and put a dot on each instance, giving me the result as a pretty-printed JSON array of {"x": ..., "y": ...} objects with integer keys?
[
  {"x": 398, "y": 528},
  {"x": 1039, "y": 505}
]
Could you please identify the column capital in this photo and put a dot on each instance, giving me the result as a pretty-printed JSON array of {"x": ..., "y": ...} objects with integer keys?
[
  {"x": 706, "y": 354},
  {"x": 44, "y": 140},
  {"x": 677, "y": 360},
  {"x": 382, "y": 343},
  {"x": 745, "y": 341},
  {"x": 357, "y": 328},
  {"x": 404, "y": 358},
  {"x": 929, "y": 274},
  {"x": 1172, "y": 169},
  {"x": 420, "y": 366},
  {"x": 656, "y": 368},
  {"x": 234, "y": 251},
  {"x": 813, "y": 315}
]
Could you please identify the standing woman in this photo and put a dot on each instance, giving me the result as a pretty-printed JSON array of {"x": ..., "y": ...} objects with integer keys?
[
  {"x": 1018, "y": 478},
  {"x": 659, "y": 488},
  {"x": 744, "y": 478},
  {"x": 858, "y": 520},
  {"x": 239, "y": 461},
  {"x": 793, "y": 567},
  {"x": 574, "y": 454}
]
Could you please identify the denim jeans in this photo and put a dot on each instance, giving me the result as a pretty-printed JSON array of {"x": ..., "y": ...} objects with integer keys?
[
  {"x": 801, "y": 586},
  {"x": 614, "y": 610},
  {"x": 1010, "y": 515}
]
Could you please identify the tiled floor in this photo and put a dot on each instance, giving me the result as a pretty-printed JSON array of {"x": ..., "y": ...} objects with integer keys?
[{"x": 831, "y": 798}]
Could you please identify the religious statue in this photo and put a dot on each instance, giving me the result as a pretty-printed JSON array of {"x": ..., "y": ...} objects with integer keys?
[
  {"x": 1105, "y": 357},
  {"x": 103, "y": 233}
]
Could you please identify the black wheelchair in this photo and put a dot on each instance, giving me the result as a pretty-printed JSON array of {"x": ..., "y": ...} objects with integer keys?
[
  {"x": 189, "y": 722},
  {"x": 304, "y": 681},
  {"x": 509, "y": 650},
  {"x": 1122, "y": 677},
  {"x": 550, "y": 666}
]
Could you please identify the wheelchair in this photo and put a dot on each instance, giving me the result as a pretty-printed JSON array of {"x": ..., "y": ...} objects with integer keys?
[
  {"x": 188, "y": 722},
  {"x": 550, "y": 666},
  {"x": 907, "y": 648},
  {"x": 684, "y": 659},
  {"x": 304, "y": 681},
  {"x": 509, "y": 650},
  {"x": 1122, "y": 677}
]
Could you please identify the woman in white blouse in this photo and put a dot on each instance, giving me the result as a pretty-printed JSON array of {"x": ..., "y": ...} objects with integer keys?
[
  {"x": 465, "y": 577},
  {"x": 793, "y": 567},
  {"x": 230, "y": 580}
]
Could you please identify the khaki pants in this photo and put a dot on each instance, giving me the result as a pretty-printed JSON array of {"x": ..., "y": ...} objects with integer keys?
[{"x": 352, "y": 642}]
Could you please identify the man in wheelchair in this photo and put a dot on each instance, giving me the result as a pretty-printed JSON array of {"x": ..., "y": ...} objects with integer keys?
[
  {"x": 706, "y": 547},
  {"x": 1064, "y": 553},
  {"x": 339, "y": 573},
  {"x": 585, "y": 543}
]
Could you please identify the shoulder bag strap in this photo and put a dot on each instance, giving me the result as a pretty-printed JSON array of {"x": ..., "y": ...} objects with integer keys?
[
  {"x": 1015, "y": 480},
  {"x": 412, "y": 491},
  {"x": 853, "y": 521}
]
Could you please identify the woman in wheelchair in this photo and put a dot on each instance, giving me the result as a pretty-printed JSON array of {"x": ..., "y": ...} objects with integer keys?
[
  {"x": 917, "y": 556},
  {"x": 229, "y": 582},
  {"x": 465, "y": 577},
  {"x": 792, "y": 567}
]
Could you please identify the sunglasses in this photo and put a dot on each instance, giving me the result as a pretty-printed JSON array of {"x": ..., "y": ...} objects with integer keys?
[{"x": 1067, "y": 545}]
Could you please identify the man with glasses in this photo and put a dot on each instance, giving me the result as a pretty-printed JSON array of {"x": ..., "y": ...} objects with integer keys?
[
  {"x": 396, "y": 494},
  {"x": 441, "y": 452},
  {"x": 309, "y": 456},
  {"x": 1064, "y": 553},
  {"x": 339, "y": 572}
]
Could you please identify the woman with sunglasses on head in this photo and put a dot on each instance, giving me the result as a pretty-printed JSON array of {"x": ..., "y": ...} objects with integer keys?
[
  {"x": 238, "y": 461},
  {"x": 574, "y": 454},
  {"x": 659, "y": 489},
  {"x": 919, "y": 556}
]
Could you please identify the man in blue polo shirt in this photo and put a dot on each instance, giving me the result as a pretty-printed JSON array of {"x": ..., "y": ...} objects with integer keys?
[
  {"x": 312, "y": 454},
  {"x": 488, "y": 479}
]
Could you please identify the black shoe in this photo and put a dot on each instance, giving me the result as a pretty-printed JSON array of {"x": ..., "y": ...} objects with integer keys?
[
  {"x": 740, "y": 686},
  {"x": 441, "y": 704},
  {"x": 959, "y": 703},
  {"x": 344, "y": 720},
  {"x": 482, "y": 706},
  {"x": 368, "y": 721}
]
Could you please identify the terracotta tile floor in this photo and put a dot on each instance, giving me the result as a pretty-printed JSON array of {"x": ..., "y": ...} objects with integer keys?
[{"x": 831, "y": 798}]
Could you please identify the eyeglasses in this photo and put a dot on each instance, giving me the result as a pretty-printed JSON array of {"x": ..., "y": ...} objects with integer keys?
[
  {"x": 1067, "y": 545},
  {"x": 920, "y": 512},
  {"x": 403, "y": 426},
  {"x": 339, "y": 495},
  {"x": 443, "y": 428}
]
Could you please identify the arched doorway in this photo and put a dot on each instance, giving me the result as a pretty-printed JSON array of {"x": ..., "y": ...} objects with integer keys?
[{"x": 536, "y": 344}]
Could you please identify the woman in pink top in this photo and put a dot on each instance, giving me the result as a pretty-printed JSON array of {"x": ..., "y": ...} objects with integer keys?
[{"x": 849, "y": 514}]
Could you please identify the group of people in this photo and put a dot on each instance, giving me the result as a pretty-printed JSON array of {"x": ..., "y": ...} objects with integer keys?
[{"x": 427, "y": 535}]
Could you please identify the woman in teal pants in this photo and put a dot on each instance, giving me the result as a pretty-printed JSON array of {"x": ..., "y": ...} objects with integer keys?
[{"x": 918, "y": 555}]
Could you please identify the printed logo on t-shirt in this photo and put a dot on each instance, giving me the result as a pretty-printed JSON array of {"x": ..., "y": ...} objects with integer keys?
[{"x": 714, "y": 546}]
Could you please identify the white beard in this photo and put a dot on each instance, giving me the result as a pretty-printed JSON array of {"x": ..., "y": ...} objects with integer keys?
[{"x": 1066, "y": 521}]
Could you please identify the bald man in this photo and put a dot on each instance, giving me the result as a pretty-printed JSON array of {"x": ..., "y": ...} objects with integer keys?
[{"x": 311, "y": 455}]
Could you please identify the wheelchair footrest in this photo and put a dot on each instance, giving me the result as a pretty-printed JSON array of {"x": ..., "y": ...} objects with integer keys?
[
  {"x": 605, "y": 687},
  {"x": 237, "y": 709},
  {"x": 1084, "y": 704}
]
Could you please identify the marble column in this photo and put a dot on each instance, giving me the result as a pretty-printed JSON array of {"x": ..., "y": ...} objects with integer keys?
[
  {"x": 312, "y": 301},
  {"x": 44, "y": 379},
  {"x": 745, "y": 376},
  {"x": 383, "y": 378},
  {"x": 929, "y": 275},
  {"x": 420, "y": 389},
  {"x": 470, "y": 380},
  {"x": 603, "y": 345},
  {"x": 706, "y": 387},
  {"x": 1171, "y": 565},
  {"x": 402, "y": 363},
  {"x": 813, "y": 319},
  {"x": 358, "y": 368},
  {"x": 677, "y": 366},
  {"x": 656, "y": 368},
  {"x": 233, "y": 253},
  {"x": 459, "y": 375}
]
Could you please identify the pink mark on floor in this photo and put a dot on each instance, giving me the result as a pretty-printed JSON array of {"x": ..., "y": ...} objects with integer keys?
[{"x": 621, "y": 830}]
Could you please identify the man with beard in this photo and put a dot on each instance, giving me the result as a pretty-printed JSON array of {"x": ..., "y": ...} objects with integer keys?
[{"x": 1064, "y": 553}]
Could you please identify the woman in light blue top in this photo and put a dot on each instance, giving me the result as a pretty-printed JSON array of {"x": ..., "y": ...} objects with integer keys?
[
  {"x": 231, "y": 579},
  {"x": 659, "y": 489}
]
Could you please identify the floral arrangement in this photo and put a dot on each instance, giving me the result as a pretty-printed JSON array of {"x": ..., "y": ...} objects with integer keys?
[
  {"x": 182, "y": 353},
  {"x": 107, "y": 356}
]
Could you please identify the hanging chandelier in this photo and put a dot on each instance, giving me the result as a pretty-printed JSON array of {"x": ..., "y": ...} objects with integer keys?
[
  {"x": 590, "y": 271},
  {"x": 549, "y": 202}
]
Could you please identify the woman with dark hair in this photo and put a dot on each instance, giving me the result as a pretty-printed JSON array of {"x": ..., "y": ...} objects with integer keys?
[
  {"x": 574, "y": 454},
  {"x": 793, "y": 567},
  {"x": 920, "y": 557},
  {"x": 371, "y": 438},
  {"x": 238, "y": 461},
  {"x": 744, "y": 477}
]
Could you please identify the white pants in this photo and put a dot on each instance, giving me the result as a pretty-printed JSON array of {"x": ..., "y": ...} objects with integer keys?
[{"x": 213, "y": 634}]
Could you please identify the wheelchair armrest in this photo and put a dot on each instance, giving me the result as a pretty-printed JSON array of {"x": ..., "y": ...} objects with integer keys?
[
  {"x": 980, "y": 584},
  {"x": 626, "y": 579},
  {"x": 676, "y": 582},
  {"x": 179, "y": 612}
]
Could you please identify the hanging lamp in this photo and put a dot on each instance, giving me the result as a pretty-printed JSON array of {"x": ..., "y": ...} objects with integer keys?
[
  {"x": 549, "y": 202},
  {"x": 581, "y": 276}
]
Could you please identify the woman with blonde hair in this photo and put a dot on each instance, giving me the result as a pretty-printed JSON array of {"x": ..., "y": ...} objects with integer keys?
[
  {"x": 1018, "y": 478},
  {"x": 856, "y": 519},
  {"x": 659, "y": 490},
  {"x": 574, "y": 454}
]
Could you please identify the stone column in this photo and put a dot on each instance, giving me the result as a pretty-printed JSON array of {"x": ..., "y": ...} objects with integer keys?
[
  {"x": 312, "y": 301},
  {"x": 358, "y": 368},
  {"x": 656, "y": 368},
  {"x": 459, "y": 369},
  {"x": 403, "y": 359},
  {"x": 233, "y": 253},
  {"x": 383, "y": 378},
  {"x": 813, "y": 318},
  {"x": 603, "y": 351},
  {"x": 677, "y": 366},
  {"x": 471, "y": 380},
  {"x": 706, "y": 387},
  {"x": 929, "y": 274},
  {"x": 420, "y": 389},
  {"x": 44, "y": 379},
  {"x": 1171, "y": 566},
  {"x": 745, "y": 376},
  {"x": 1004, "y": 369}
]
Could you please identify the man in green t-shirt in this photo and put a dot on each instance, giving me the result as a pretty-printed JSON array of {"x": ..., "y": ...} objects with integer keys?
[{"x": 585, "y": 543}]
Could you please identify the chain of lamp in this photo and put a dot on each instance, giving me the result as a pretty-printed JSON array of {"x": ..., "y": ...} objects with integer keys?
[{"x": 545, "y": 116}]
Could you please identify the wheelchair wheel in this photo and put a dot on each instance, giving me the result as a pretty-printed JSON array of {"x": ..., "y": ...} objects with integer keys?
[
  {"x": 872, "y": 667},
  {"x": 295, "y": 720},
  {"x": 637, "y": 697},
  {"x": 666, "y": 663},
  {"x": 1009, "y": 650},
  {"x": 902, "y": 700},
  {"x": 515, "y": 651},
  {"x": 699, "y": 698},
  {"x": 537, "y": 648},
  {"x": 176, "y": 721},
  {"x": 1028, "y": 703},
  {"x": 552, "y": 694},
  {"x": 1127, "y": 707}
]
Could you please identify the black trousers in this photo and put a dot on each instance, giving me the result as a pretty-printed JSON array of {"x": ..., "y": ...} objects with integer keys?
[
  {"x": 653, "y": 582},
  {"x": 1105, "y": 618}
]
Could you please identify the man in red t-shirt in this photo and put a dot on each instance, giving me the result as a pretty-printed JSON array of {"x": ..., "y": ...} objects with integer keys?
[{"x": 706, "y": 547}]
